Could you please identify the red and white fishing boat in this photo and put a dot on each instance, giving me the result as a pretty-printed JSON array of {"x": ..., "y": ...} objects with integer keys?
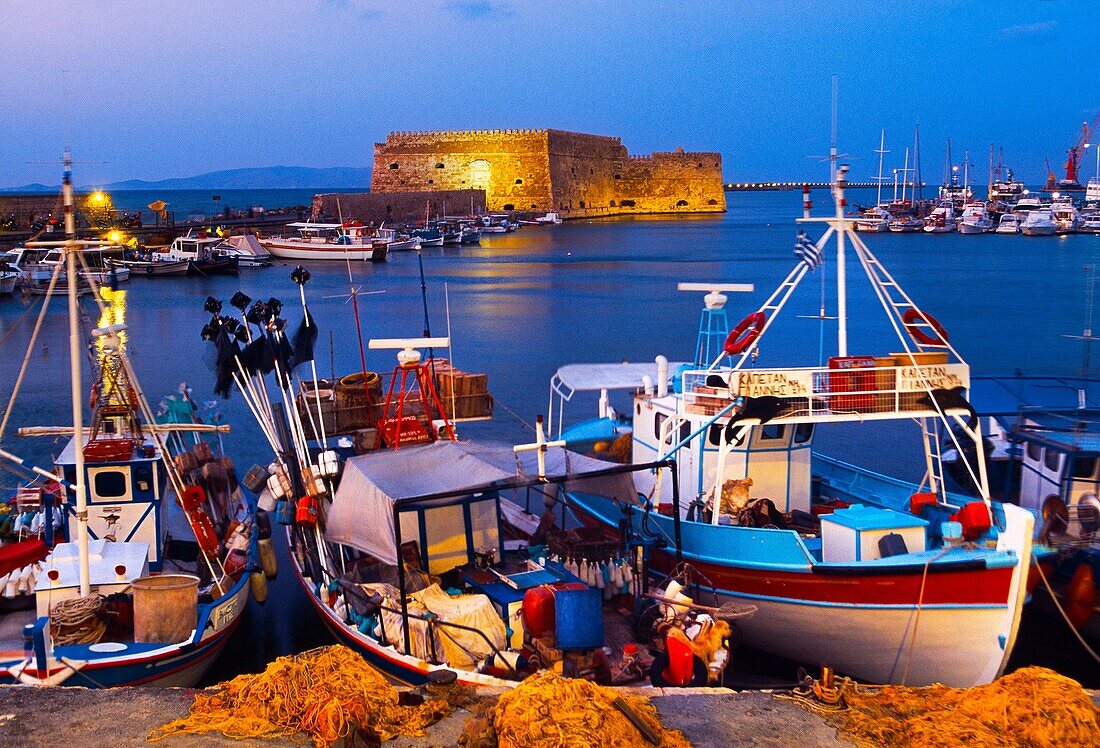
[{"x": 888, "y": 583}]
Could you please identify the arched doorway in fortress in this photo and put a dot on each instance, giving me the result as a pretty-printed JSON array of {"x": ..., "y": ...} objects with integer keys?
[{"x": 480, "y": 172}]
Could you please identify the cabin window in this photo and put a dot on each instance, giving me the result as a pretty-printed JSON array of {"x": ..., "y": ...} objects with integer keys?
[
  {"x": 109, "y": 484},
  {"x": 1034, "y": 452},
  {"x": 1084, "y": 467},
  {"x": 394, "y": 165},
  {"x": 658, "y": 422},
  {"x": 771, "y": 432},
  {"x": 803, "y": 432},
  {"x": 1052, "y": 459}
]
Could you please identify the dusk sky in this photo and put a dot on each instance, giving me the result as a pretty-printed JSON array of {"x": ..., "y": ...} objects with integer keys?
[{"x": 173, "y": 89}]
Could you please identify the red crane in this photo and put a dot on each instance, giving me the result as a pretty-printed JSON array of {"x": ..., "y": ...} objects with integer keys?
[{"x": 1087, "y": 130}]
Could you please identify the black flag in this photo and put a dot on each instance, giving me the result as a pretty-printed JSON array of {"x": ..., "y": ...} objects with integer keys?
[{"x": 304, "y": 338}]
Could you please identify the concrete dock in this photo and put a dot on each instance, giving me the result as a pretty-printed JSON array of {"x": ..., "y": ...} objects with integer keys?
[{"x": 122, "y": 717}]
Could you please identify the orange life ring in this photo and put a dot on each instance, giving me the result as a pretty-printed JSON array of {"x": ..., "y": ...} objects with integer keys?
[
  {"x": 745, "y": 334},
  {"x": 913, "y": 318}
]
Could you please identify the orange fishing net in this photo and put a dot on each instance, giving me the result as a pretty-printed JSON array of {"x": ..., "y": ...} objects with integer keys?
[
  {"x": 548, "y": 711},
  {"x": 1033, "y": 707},
  {"x": 325, "y": 693}
]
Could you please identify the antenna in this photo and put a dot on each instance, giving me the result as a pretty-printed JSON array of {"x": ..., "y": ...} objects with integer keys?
[{"x": 713, "y": 322}]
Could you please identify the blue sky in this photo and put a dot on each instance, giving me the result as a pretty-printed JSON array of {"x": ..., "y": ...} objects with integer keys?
[{"x": 167, "y": 89}]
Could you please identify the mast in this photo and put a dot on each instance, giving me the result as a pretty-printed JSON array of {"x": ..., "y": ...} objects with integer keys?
[
  {"x": 916, "y": 166},
  {"x": 72, "y": 246},
  {"x": 904, "y": 174},
  {"x": 881, "y": 150},
  {"x": 990, "y": 196}
]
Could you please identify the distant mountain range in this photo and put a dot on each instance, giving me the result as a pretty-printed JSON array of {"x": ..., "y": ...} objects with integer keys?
[{"x": 262, "y": 178}]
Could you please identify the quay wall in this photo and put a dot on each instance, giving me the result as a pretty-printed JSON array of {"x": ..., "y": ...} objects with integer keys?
[
  {"x": 22, "y": 209},
  {"x": 574, "y": 174},
  {"x": 397, "y": 207}
]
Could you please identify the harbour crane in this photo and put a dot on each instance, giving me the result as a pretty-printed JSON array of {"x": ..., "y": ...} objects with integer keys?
[{"x": 1088, "y": 129}]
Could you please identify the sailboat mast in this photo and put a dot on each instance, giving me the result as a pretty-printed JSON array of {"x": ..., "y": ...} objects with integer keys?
[
  {"x": 990, "y": 197},
  {"x": 72, "y": 246},
  {"x": 881, "y": 151},
  {"x": 841, "y": 290},
  {"x": 904, "y": 174},
  {"x": 916, "y": 166}
]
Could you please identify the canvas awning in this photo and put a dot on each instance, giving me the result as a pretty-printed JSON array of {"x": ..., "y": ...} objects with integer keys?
[{"x": 593, "y": 377}]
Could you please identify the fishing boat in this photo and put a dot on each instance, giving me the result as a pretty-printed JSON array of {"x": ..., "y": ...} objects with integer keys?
[
  {"x": 1038, "y": 223},
  {"x": 204, "y": 255},
  {"x": 96, "y": 593},
  {"x": 941, "y": 220},
  {"x": 248, "y": 251},
  {"x": 8, "y": 278},
  {"x": 470, "y": 235},
  {"x": 872, "y": 578},
  {"x": 349, "y": 240},
  {"x": 375, "y": 538},
  {"x": 975, "y": 219},
  {"x": 37, "y": 265},
  {"x": 1043, "y": 454},
  {"x": 150, "y": 268},
  {"x": 1009, "y": 224}
]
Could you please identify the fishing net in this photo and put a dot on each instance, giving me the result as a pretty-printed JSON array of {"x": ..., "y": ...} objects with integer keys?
[
  {"x": 326, "y": 693},
  {"x": 1033, "y": 707},
  {"x": 548, "y": 711}
]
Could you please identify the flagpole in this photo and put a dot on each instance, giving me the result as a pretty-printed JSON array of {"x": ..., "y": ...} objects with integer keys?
[{"x": 301, "y": 276}]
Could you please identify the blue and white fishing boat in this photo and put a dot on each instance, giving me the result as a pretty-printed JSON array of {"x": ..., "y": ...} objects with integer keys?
[
  {"x": 887, "y": 582},
  {"x": 107, "y": 582}
]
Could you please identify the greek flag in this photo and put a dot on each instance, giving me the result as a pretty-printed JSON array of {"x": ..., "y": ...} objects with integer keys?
[{"x": 807, "y": 251}]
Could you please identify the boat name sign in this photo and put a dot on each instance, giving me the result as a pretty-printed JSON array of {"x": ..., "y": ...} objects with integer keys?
[
  {"x": 773, "y": 383},
  {"x": 942, "y": 377}
]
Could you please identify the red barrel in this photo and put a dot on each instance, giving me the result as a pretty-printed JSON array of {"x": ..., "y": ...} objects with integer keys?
[{"x": 538, "y": 607}]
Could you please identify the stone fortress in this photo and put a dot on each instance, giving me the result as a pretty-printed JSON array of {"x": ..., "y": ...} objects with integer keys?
[{"x": 573, "y": 174}]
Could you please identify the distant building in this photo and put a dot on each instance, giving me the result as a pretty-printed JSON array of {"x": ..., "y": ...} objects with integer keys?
[{"x": 573, "y": 174}]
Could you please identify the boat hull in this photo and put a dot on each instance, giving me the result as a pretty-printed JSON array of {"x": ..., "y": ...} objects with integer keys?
[
  {"x": 303, "y": 251},
  {"x": 175, "y": 665},
  {"x": 881, "y": 623},
  {"x": 1037, "y": 230},
  {"x": 399, "y": 668},
  {"x": 153, "y": 269}
]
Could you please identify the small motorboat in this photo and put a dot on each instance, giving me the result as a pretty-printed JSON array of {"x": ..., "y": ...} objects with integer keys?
[
  {"x": 1091, "y": 224},
  {"x": 205, "y": 255},
  {"x": 907, "y": 225},
  {"x": 1010, "y": 224},
  {"x": 8, "y": 277},
  {"x": 941, "y": 220},
  {"x": 873, "y": 220},
  {"x": 152, "y": 268},
  {"x": 550, "y": 219},
  {"x": 1065, "y": 215},
  {"x": 1039, "y": 223}
]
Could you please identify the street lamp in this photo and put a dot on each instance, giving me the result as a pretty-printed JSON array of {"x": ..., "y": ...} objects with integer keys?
[{"x": 1097, "y": 147}]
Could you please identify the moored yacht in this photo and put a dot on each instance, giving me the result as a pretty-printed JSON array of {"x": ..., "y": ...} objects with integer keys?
[
  {"x": 1038, "y": 223},
  {"x": 975, "y": 220},
  {"x": 941, "y": 220}
]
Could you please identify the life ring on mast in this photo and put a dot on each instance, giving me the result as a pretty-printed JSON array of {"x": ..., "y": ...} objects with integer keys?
[
  {"x": 913, "y": 318},
  {"x": 745, "y": 334}
]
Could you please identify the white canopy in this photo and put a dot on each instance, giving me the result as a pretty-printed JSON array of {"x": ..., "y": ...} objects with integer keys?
[
  {"x": 593, "y": 377},
  {"x": 362, "y": 512}
]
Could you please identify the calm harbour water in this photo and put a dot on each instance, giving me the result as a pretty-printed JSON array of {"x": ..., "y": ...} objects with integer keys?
[{"x": 523, "y": 304}]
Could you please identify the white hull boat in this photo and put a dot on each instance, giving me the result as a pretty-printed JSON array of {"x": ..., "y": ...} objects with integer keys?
[
  {"x": 1010, "y": 224},
  {"x": 1038, "y": 223}
]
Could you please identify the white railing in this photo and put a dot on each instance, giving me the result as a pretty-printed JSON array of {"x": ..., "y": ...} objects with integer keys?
[{"x": 867, "y": 387}]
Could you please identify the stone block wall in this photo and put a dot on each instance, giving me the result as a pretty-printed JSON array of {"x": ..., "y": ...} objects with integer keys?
[
  {"x": 397, "y": 207},
  {"x": 574, "y": 174}
]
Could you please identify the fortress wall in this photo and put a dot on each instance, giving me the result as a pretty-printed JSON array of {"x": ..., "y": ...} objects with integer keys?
[
  {"x": 396, "y": 207},
  {"x": 574, "y": 174}
]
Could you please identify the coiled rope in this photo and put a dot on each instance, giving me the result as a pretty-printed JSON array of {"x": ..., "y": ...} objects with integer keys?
[{"x": 78, "y": 620}]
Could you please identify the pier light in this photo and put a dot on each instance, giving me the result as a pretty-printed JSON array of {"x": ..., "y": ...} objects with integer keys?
[
  {"x": 97, "y": 197},
  {"x": 115, "y": 237}
]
